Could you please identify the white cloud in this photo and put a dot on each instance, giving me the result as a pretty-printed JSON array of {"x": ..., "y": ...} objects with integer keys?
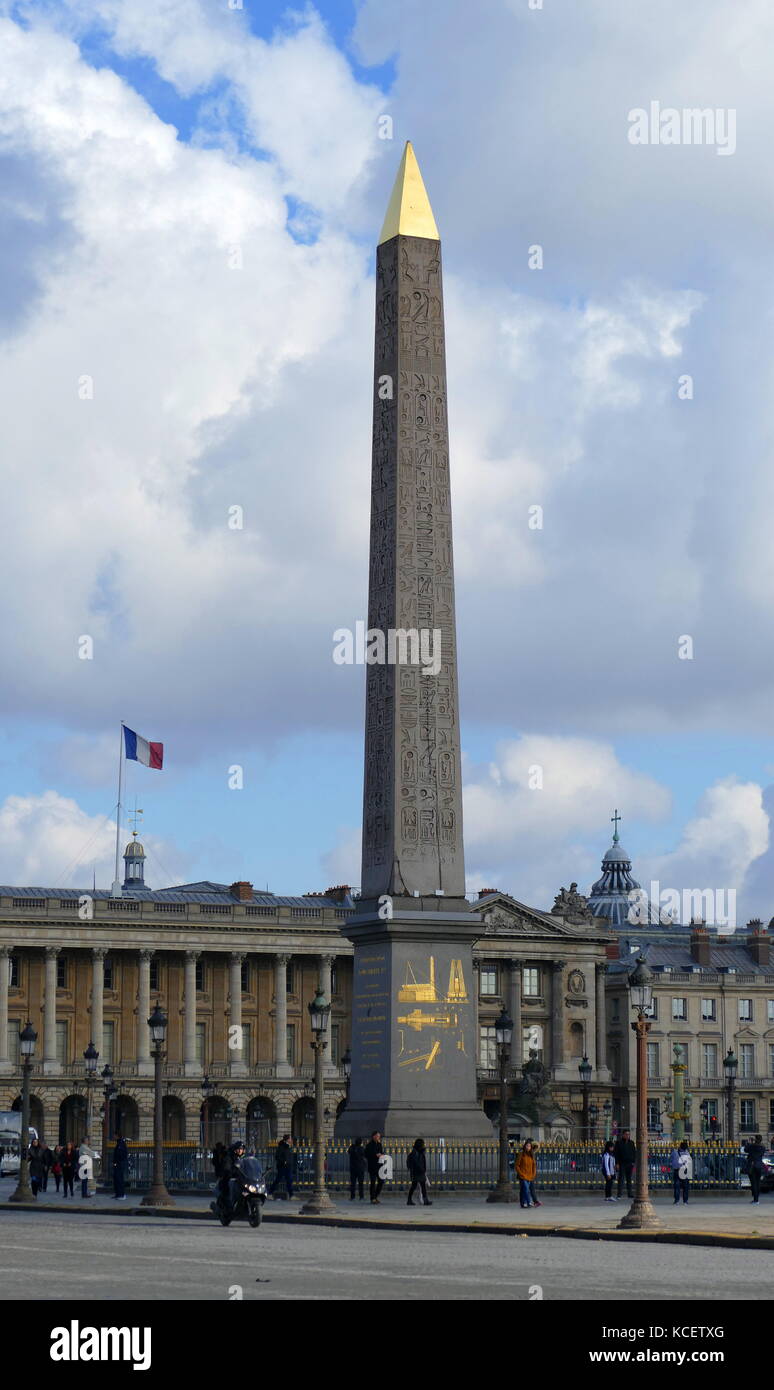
[
  {"x": 49, "y": 841},
  {"x": 524, "y": 838},
  {"x": 719, "y": 845}
]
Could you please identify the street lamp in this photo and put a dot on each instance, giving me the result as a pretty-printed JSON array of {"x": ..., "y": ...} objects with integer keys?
[
  {"x": 584, "y": 1069},
  {"x": 730, "y": 1063},
  {"x": 91, "y": 1058},
  {"x": 593, "y": 1117},
  {"x": 207, "y": 1088},
  {"x": 641, "y": 1213},
  {"x": 27, "y": 1039},
  {"x": 608, "y": 1110},
  {"x": 110, "y": 1093},
  {"x": 158, "y": 1195},
  {"x": 319, "y": 1013},
  {"x": 503, "y": 1192}
]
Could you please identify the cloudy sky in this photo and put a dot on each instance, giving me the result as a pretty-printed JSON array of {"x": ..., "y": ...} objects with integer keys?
[{"x": 191, "y": 195}]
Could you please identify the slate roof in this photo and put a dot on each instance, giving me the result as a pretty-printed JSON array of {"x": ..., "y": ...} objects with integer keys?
[
  {"x": 722, "y": 957},
  {"x": 215, "y": 894}
]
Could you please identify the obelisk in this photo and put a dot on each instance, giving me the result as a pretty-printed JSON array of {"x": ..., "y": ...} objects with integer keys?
[{"x": 413, "y": 1015}]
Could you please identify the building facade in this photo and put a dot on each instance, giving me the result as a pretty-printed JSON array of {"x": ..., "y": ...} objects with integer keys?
[
  {"x": 713, "y": 991},
  {"x": 235, "y": 970}
]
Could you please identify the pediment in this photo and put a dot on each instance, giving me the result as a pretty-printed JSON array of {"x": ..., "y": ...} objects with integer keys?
[{"x": 503, "y": 915}]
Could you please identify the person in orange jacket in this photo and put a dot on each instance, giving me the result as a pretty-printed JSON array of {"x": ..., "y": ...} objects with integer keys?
[{"x": 526, "y": 1170}]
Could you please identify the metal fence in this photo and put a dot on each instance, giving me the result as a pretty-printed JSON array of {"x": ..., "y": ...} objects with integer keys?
[{"x": 452, "y": 1167}]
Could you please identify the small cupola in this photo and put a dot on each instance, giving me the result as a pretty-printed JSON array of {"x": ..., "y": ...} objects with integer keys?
[{"x": 134, "y": 864}]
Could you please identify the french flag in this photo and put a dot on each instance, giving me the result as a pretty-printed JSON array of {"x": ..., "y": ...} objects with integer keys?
[{"x": 139, "y": 750}]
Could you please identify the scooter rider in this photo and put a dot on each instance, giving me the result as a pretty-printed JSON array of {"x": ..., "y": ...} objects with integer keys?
[{"x": 229, "y": 1171}]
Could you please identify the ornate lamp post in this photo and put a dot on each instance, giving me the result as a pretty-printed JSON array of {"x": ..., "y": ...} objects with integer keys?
[
  {"x": 730, "y": 1063},
  {"x": 109, "y": 1092},
  {"x": 27, "y": 1039},
  {"x": 641, "y": 1213},
  {"x": 91, "y": 1058},
  {"x": 158, "y": 1195},
  {"x": 207, "y": 1088},
  {"x": 503, "y": 1192},
  {"x": 607, "y": 1110},
  {"x": 584, "y": 1070},
  {"x": 319, "y": 1013},
  {"x": 593, "y": 1117}
]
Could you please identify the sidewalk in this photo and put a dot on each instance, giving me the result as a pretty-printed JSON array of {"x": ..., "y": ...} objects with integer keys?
[{"x": 713, "y": 1220}]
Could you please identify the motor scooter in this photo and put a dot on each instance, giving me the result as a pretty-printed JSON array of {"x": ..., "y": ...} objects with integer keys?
[{"x": 248, "y": 1194}]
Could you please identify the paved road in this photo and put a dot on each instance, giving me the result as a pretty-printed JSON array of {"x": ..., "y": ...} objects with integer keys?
[{"x": 133, "y": 1257}]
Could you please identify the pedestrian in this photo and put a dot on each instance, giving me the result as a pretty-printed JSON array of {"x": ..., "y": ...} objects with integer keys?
[
  {"x": 37, "y": 1167},
  {"x": 69, "y": 1165},
  {"x": 754, "y": 1154},
  {"x": 625, "y": 1157},
  {"x": 417, "y": 1166},
  {"x": 120, "y": 1165},
  {"x": 357, "y": 1168},
  {"x": 526, "y": 1172},
  {"x": 373, "y": 1152},
  {"x": 56, "y": 1166},
  {"x": 86, "y": 1156},
  {"x": 684, "y": 1173},
  {"x": 48, "y": 1159},
  {"x": 283, "y": 1166},
  {"x": 608, "y": 1169}
]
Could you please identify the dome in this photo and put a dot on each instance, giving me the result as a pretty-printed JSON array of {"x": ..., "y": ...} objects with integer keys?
[
  {"x": 134, "y": 850},
  {"x": 616, "y": 855},
  {"x": 617, "y": 895}
]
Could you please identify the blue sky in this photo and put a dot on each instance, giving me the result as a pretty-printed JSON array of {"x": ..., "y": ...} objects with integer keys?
[{"x": 192, "y": 197}]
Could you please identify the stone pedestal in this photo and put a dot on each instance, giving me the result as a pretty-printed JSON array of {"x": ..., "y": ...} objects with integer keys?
[{"x": 413, "y": 1044}]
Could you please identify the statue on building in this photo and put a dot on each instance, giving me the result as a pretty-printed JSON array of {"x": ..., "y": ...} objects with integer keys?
[{"x": 572, "y": 904}]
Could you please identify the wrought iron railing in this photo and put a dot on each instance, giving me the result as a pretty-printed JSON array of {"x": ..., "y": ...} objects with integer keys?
[{"x": 451, "y": 1167}]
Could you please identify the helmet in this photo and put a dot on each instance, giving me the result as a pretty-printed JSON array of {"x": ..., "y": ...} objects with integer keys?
[{"x": 237, "y": 1148}]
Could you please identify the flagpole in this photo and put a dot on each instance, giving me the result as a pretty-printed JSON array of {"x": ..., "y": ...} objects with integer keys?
[{"x": 116, "y": 889}]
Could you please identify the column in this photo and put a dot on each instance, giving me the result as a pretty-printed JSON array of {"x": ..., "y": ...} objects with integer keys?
[
  {"x": 5, "y": 958},
  {"x": 281, "y": 1065},
  {"x": 326, "y": 964},
  {"x": 191, "y": 1066},
  {"x": 557, "y": 1015},
  {"x": 514, "y": 1004},
  {"x": 51, "y": 1066},
  {"x": 600, "y": 1021},
  {"x": 237, "y": 1065},
  {"x": 144, "y": 1063},
  {"x": 98, "y": 954}
]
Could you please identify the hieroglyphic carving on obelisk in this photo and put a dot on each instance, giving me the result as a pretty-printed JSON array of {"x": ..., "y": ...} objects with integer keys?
[{"x": 412, "y": 813}]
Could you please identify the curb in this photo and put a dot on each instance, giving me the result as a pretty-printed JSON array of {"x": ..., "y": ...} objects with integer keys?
[{"x": 727, "y": 1240}]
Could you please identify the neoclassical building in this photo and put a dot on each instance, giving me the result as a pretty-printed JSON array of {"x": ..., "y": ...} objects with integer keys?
[
  {"x": 234, "y": 969},
  {"x": 713, "y": 992}
]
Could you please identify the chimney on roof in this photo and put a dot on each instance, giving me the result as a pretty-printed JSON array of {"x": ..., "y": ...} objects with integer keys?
[
  {"x": 340, "y": 894},
  {"x": 758, "y": 942},
  {"x": 613, "y": 950},
  {"x": 485, "y": 892},
  {"x": 700, "y": 941},
  {"x": 242, "y": 891}
]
